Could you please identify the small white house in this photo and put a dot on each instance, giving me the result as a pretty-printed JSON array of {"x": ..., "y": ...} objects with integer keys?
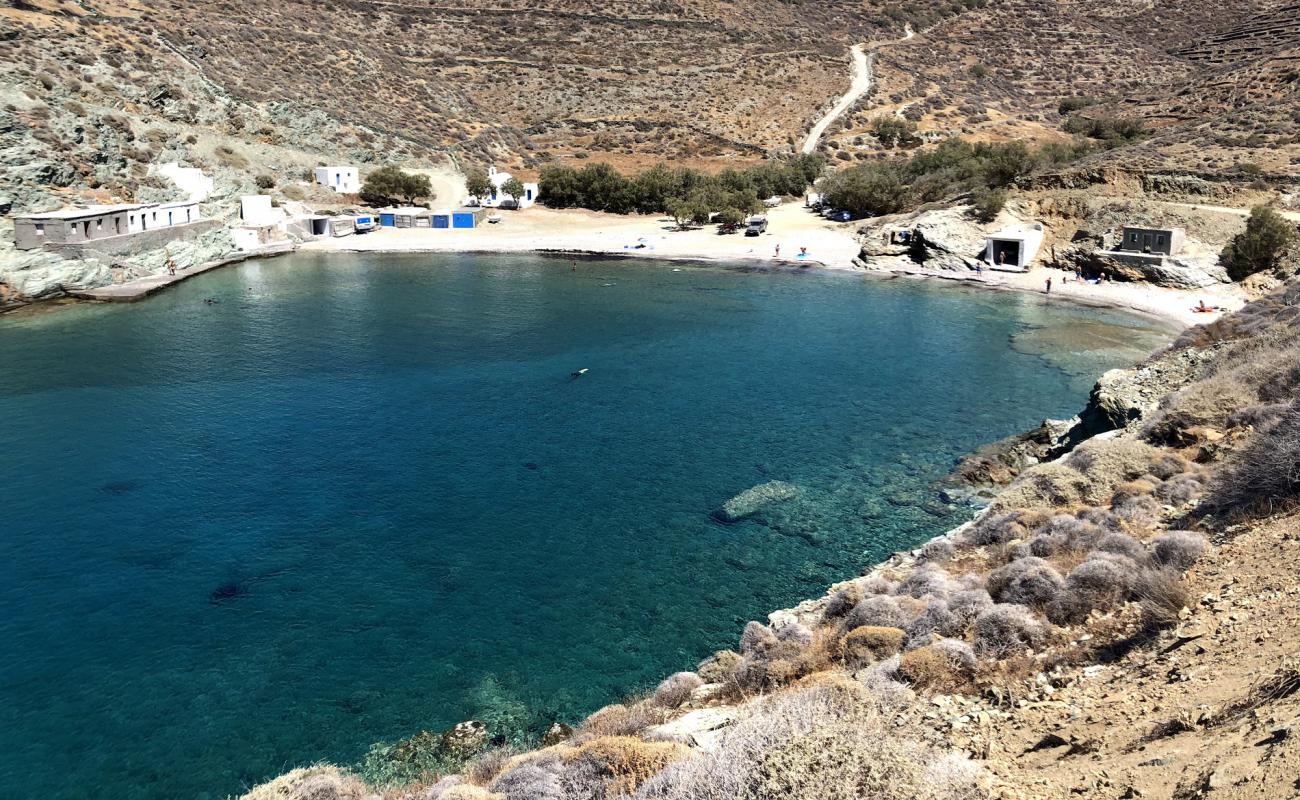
[
  {"x": 162, "y": 215},
  {"x": 499, "y": 199},
  {"x": 1013, "y": 249},
  {"x": 344, "y": 180},
  {"x": 256, "y": 210}
]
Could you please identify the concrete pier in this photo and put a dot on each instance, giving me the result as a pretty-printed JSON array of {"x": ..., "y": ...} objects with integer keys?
[{"x": 141, "y": 288}]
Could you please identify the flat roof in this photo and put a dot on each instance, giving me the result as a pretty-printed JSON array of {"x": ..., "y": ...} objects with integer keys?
[
  {"x": 88, "y": 211},
  {"x": 407, "y": 210}
]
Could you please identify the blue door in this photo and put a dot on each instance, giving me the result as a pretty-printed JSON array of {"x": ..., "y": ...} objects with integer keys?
[
  {"x": 465, "y": 220},
  {"x": 442, "y": 220},
  {"x": 387, "y": 220}
]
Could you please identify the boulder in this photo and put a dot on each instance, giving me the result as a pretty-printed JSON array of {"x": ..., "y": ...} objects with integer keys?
[
  {"x": 751, "y": 501},
  {"x": 464, "y": 739}
]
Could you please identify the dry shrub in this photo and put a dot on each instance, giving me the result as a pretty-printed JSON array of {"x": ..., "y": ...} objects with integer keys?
[
  {"x": 616, "y": 765},
  {"x": 1169, "y": 465},
  {"x": 756, "y": 637},
  {"x": 537, "y": 779},
  {"x": 1180, "y": 489},
  {"x": 1109, "y": 462},
  {"x": 937, "y": 670},
  {"x": 310, "y": 783},
  {"x": 717, "y": 667},
  {"x": 879, "y": 611},
  {"x": 1124, "y": 545},
  {"x": 463, "y": 791},
  {"x": 1131, "y": 489},
  {"x": 936, "y": 619},
  {"x": 940, "y": 548},
  {"x": 1045, "y": 486},
  {"x": 485, "y": 766},
  {"x": 1140, "y": 511},
  {"x": 1163, "y": 596},
  {"x": 926, "y": 580},
  {"x": 1178, "y": 549},
  {"x": 786, "y": 660},
  {"x": 1097, "y": 583},
  {"x": 863, "y": 645},
  {"x": 1029, "y": 581},
  {"x": 1264, "y": 475},
  {"x": 825, "y": 742},
  {"x": 621, "y": 720},
  {"x": 1006, "y": 629},
  {"x": 676, "y": 689},
  {"x": 842, "y": 601}
]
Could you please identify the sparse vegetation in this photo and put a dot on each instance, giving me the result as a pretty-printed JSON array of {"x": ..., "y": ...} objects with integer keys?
[
  {"x": 689, "y": 195},
  {"x": 388, "y": 185},
  {"x": 1261, "y": 246}
]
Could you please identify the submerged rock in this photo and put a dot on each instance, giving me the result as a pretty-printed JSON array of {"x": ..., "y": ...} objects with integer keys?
[{"x": 751, "y": 501}]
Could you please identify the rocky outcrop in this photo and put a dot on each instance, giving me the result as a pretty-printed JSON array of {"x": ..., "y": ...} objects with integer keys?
[
  {"x": 751, "y": 501},
  {"x": 948, "y": 239},
  {"x": 1190, "y": 272}
]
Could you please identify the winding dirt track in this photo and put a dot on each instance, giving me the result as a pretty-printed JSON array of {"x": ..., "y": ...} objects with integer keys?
[{"x": 863, "y": 75}]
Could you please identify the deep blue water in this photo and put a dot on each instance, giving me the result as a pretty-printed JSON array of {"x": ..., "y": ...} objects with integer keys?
[{"x": 361, "y": 496}]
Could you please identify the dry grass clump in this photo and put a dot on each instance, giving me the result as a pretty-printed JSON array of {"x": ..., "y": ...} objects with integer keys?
[
  {"x": 1180, "y": 489},
  {"x": 1005, "y": 629},
  {"x": 676, "y": 689},
  {"x": 310, "y": 783},
  {"x": 843, "y": 601},
  {"x": 612, "y": 766},
  {"x": 869, "y": 643},
  {"x": 461, "y": 791},
  {"x": 1096, "y": 583},
  {"x": 1264, "y": 474},
  {"x": 1178, "y": 549},
  {"x": 940, "y": 548},
  {"x": 947, "y": 666},
  {"x": 774, "y": 659},
  {"x": 1163, "y": 596},
  {"x": 936, "y": 620},
  {"x": 622, "y": 720},
  {"x": 825, "y": 742}
]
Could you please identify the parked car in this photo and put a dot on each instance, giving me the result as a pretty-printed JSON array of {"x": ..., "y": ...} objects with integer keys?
[
  {"x": 838, "y": 215},
  {"x": 772, "y": 202},
  {"x": 756, "y": 226}
]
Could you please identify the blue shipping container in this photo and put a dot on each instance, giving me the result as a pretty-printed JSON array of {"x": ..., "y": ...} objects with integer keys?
[{"x": 387, "y": 220}]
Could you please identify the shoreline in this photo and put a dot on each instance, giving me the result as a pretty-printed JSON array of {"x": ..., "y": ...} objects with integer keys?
[{"x": 832, "y": 247}]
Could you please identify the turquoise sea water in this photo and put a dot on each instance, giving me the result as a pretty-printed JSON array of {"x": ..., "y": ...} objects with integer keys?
[{"x": 362, "y": 496}]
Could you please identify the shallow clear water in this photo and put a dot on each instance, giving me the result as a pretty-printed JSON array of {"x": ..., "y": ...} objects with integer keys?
[{"x": 361, "y": 496}]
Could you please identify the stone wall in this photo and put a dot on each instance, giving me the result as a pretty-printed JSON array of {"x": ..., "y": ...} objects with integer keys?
[{"x": 131, "y": 244}]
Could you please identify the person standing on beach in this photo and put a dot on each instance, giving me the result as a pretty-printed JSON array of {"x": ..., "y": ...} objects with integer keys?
[
  {"x": 171, "y": 266},
  {"x": 777, "y": 254},
  {"x": 1048, "y": 290}
]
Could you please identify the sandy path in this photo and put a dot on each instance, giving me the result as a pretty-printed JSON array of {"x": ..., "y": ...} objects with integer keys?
[
  {"x": 863, "y": 76},
  {"x": 1294, "y": 216}
]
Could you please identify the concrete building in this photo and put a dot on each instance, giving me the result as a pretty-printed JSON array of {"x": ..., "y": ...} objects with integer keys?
[
  {"x": 499, "y": 199},
  {"x": 344, "y": 180},
  {"x": 410, "y": 216},
  {"x": 1013, "y": 249},
  {"x": 256, "y": 209},
  {"x": 1155, "y": 241},
  {"x": 107, "y": 227},
  {"x": 258, "y": 237}
]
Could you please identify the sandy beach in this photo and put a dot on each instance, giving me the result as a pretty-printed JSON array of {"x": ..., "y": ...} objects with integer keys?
[{"x": 828, "y": 245}]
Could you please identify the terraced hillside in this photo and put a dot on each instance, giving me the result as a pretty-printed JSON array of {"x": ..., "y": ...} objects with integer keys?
[{"x": 1215, "y": 82}]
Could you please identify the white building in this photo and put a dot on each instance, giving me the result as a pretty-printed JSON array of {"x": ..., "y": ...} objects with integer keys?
[
  {"x": 344, "y": 180},
  {"x": 1013, "y": 249},
  {"x": 162, "y": 215},
  {"x": 499, "y": 199},
  {"x": 256, "y": 210}
]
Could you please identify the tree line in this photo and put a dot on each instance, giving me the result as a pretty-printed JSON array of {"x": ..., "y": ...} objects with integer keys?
[{"x": 689, "y": 195}]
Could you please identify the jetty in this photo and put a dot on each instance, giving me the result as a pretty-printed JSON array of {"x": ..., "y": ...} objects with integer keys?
[{"x": 140, "y": 288}]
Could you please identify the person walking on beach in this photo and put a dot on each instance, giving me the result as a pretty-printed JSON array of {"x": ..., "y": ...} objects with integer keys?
[
  {"x": 1048, "y": 290},
  {"x": 777, "y": 254},
  {"x": 171, "y": 266}
]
